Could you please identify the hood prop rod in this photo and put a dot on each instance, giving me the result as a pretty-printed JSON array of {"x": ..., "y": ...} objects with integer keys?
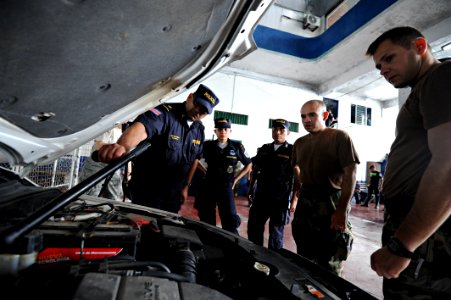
[{"x": 8, "y": 236}]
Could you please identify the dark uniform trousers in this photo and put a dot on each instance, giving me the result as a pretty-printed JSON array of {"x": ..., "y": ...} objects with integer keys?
[
  {"x": 372, "y": 190},
  {"x": 428, "y": 277},
  {"x": 156, "y": 193},
  {"x": 272, "y": 206},
  {"x": 274, "y": 177},
  {"x": 221, "y": 194},
  {"x": 157, "y": 185},
  {"x": 216, "y": 187}
]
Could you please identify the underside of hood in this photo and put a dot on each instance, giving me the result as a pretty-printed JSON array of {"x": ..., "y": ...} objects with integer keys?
[{"x": 72, "y": 69}]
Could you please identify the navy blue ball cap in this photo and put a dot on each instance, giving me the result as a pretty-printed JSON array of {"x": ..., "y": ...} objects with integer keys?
[
  {"x": 280, "y": 123},
  {"x": 205, "y": 97},
  {"x": 223, "y": 123}
]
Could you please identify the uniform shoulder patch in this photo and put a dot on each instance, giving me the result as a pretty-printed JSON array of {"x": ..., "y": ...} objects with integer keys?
[
  {"x": 160, "y": 109},
  {"x": 155, "y": 111}
]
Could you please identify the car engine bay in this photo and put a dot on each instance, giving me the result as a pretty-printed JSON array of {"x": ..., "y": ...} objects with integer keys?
[{"x": 94, "y": 248}]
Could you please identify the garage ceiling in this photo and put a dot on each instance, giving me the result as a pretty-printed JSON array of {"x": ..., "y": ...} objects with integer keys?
[{"x": 317, "y": 45}]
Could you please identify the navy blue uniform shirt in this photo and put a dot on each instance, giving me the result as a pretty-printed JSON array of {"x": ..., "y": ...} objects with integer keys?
[
  {"x": 174, "y": 144},
  {"x": 273, "y": 168},
  {"x": 222, "y": 162}
]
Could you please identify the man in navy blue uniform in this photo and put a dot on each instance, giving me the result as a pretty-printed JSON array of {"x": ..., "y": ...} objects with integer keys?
[
  {"x": 221, "y": 156},
  {"x": 273, "y": 174},
  {"x": 176, "y": 134}
]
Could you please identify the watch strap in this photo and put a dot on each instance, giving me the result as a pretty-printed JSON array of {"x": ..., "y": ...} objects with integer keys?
[
  {"x": 187, "y": 183},
  {"x": 396, "y": 247}
]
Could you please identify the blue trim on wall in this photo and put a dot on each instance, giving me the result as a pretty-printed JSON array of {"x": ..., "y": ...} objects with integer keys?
[{"x": 311, "y": 48}]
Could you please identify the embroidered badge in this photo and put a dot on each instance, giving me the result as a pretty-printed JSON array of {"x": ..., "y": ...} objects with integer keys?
[{"x": 155, "y": 111}]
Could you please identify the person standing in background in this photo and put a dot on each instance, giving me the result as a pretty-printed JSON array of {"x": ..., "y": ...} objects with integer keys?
[
  {"x": 357, "y": 193},
  {"x": 112, "y": 188},
  {"x": 373, "y": 188},
  {"x": 221, "y": 157},
  {"x": 325, "y": 163},
  {"x": 273, "y": 176}
]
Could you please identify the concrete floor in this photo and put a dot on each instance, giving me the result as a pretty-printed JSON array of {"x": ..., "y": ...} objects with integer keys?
[{"x": 367, "y": 226}]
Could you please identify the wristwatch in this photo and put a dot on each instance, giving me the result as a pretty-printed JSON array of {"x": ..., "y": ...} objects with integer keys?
[
  {"x": 397, "y": 248},
  {"x": 187, "y": 183}
]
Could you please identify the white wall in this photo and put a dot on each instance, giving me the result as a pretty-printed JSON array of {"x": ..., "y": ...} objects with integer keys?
[
  {"x": 262, "y": 100},
  {"x": 259, "y": 100},
  {"x": 372, "y": 142}
]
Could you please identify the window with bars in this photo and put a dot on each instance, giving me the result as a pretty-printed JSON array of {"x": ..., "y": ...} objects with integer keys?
[
  {"x": 234, "y": 118},
  {"x": 294, "y": 127},
  {"x": 360, "y": 115}
]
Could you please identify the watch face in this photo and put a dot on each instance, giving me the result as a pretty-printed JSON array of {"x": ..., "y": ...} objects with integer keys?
[{"x": 393, "y": 245}]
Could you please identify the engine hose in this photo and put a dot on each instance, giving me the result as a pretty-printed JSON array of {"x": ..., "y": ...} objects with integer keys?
[{"x": 185, "y": 263}]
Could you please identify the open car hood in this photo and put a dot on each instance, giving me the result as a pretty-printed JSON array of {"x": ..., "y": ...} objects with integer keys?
[{"x": 73, "y": 69}]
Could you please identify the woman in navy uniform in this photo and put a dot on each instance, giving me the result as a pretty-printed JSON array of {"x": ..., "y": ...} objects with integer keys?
[
  {"x": 176, "y": 134},
  {"x": 221, "y": 156},
  {"x": 273, "y": 174}
]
